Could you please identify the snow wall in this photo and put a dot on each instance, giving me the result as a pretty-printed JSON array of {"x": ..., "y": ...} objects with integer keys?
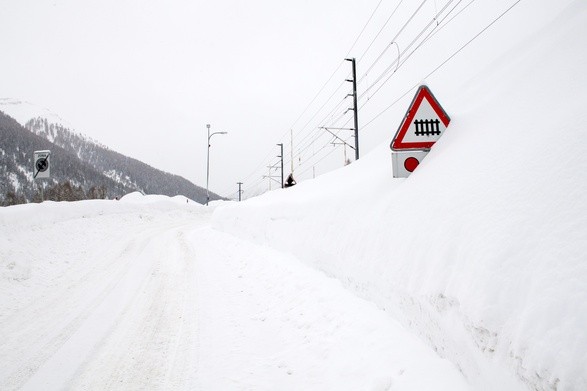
[{"x": 482, "y": 251}]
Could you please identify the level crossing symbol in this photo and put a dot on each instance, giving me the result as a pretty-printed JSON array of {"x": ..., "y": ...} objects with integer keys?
[{"x": 424, "y": 123}]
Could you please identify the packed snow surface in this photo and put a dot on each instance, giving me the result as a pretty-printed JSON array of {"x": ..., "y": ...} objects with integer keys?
[{"x": 142, "y": 294}]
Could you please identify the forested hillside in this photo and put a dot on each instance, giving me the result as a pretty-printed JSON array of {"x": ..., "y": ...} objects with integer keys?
[{"x": 80, "y": 168}]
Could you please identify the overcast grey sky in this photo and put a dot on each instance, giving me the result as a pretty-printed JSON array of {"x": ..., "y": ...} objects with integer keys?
[{"x": 145, "y": 77}]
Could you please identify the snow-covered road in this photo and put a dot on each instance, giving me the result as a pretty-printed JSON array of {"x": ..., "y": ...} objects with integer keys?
[{"x": 118, "y": 296}]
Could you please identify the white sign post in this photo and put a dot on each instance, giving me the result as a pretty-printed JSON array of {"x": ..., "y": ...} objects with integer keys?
[
  {"x": 424, "y": 123},
  {"x": 41, "y": 167},
  {"x": 405, "y": 162},
  {"x": 42, "y": 164}
]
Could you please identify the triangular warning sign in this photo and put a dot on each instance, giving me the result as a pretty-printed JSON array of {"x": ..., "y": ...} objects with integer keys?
[{"x": 424, "y": 123}]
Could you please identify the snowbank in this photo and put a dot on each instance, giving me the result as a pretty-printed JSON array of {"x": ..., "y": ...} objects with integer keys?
[
  {"x": 482, "y": 250},
  {"x": 123, "y": 296},
  {"x": 35, "y": 222},
  {"x": 50, "y": 211}
]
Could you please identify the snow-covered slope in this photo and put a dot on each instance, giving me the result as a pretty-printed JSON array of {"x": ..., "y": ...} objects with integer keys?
[
  {"x": 141, "y": 294},
  {"x": 23, "y": 111},
  {"x": 482, "y": 250}
]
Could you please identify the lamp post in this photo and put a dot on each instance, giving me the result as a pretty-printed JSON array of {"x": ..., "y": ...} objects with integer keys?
[{"x": 208, "y": 163}]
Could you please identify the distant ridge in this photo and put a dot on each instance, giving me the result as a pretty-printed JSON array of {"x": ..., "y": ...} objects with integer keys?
[{"x": 76, "y": 159}]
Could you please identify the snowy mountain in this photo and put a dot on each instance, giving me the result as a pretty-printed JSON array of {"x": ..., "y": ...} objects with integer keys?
[
  {"x": 79, "y": 178},
  {"x": 117, "y": 173},
  {"x": 22, "y": 111}
]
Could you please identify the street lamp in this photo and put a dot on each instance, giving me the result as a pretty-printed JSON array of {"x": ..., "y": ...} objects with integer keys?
[{"x": 208, "y": 163}]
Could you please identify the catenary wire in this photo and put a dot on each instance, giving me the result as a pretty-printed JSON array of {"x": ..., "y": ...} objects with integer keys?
[
  {"x": 444, "y": 62},
  {"x": 434, "y": 31},
  {"x": 330, "y": 114}
]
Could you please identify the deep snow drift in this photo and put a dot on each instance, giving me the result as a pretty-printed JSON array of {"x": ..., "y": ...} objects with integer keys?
[
  {"x": 482, "y": 250},
  {"x": 140, "y": 294}
]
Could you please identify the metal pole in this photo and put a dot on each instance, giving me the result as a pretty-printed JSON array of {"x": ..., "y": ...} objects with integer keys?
[
  {"x": 208, "y": 168},
  {"x": 281, "y": 156},
  {"x": 239, "y": 191},
  {"x": 40, "y": 186},
  {"x": 208, "y": 163},
  {"x": 355, "y": 110}
]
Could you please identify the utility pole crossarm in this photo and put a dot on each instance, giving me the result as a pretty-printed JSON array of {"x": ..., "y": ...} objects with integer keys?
[{"x": 338, "y": 138}]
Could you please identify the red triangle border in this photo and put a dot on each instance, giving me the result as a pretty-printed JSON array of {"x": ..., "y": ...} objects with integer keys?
[{"x": 423, "y": 93}]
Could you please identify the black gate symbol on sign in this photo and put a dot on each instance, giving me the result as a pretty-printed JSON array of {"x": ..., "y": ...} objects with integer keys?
[
  {"x": 427, "y": 127},
  {"x": 42, "y": 164}
]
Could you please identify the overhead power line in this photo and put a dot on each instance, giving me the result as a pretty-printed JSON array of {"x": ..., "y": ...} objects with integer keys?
[
  {"x": 319, "y": 92},
  {"x": 308, "y": 135},
  {"x": 396, "y": 63},
  {"x": 380, "y": 30},
  {"x": 445, "y": 61},
  {"x": 394, "y": 38},
  {"x": 364, "y": 27},
  {"x": 304, "y": 143},
  {"x": 434, "y": 31}
]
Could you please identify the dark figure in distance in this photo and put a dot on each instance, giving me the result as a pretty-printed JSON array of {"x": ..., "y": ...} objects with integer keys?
[{"x": 290, "y": 181}]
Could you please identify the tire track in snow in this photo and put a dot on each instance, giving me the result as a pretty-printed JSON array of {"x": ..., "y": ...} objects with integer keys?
[
  {"x": 151, "y": 345},
  {"x": 199, "y": 309},
  {"x": 186, "y": 349},
  {"x": 80, "y": 315},
  {"x": 60, "y": 313}
]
